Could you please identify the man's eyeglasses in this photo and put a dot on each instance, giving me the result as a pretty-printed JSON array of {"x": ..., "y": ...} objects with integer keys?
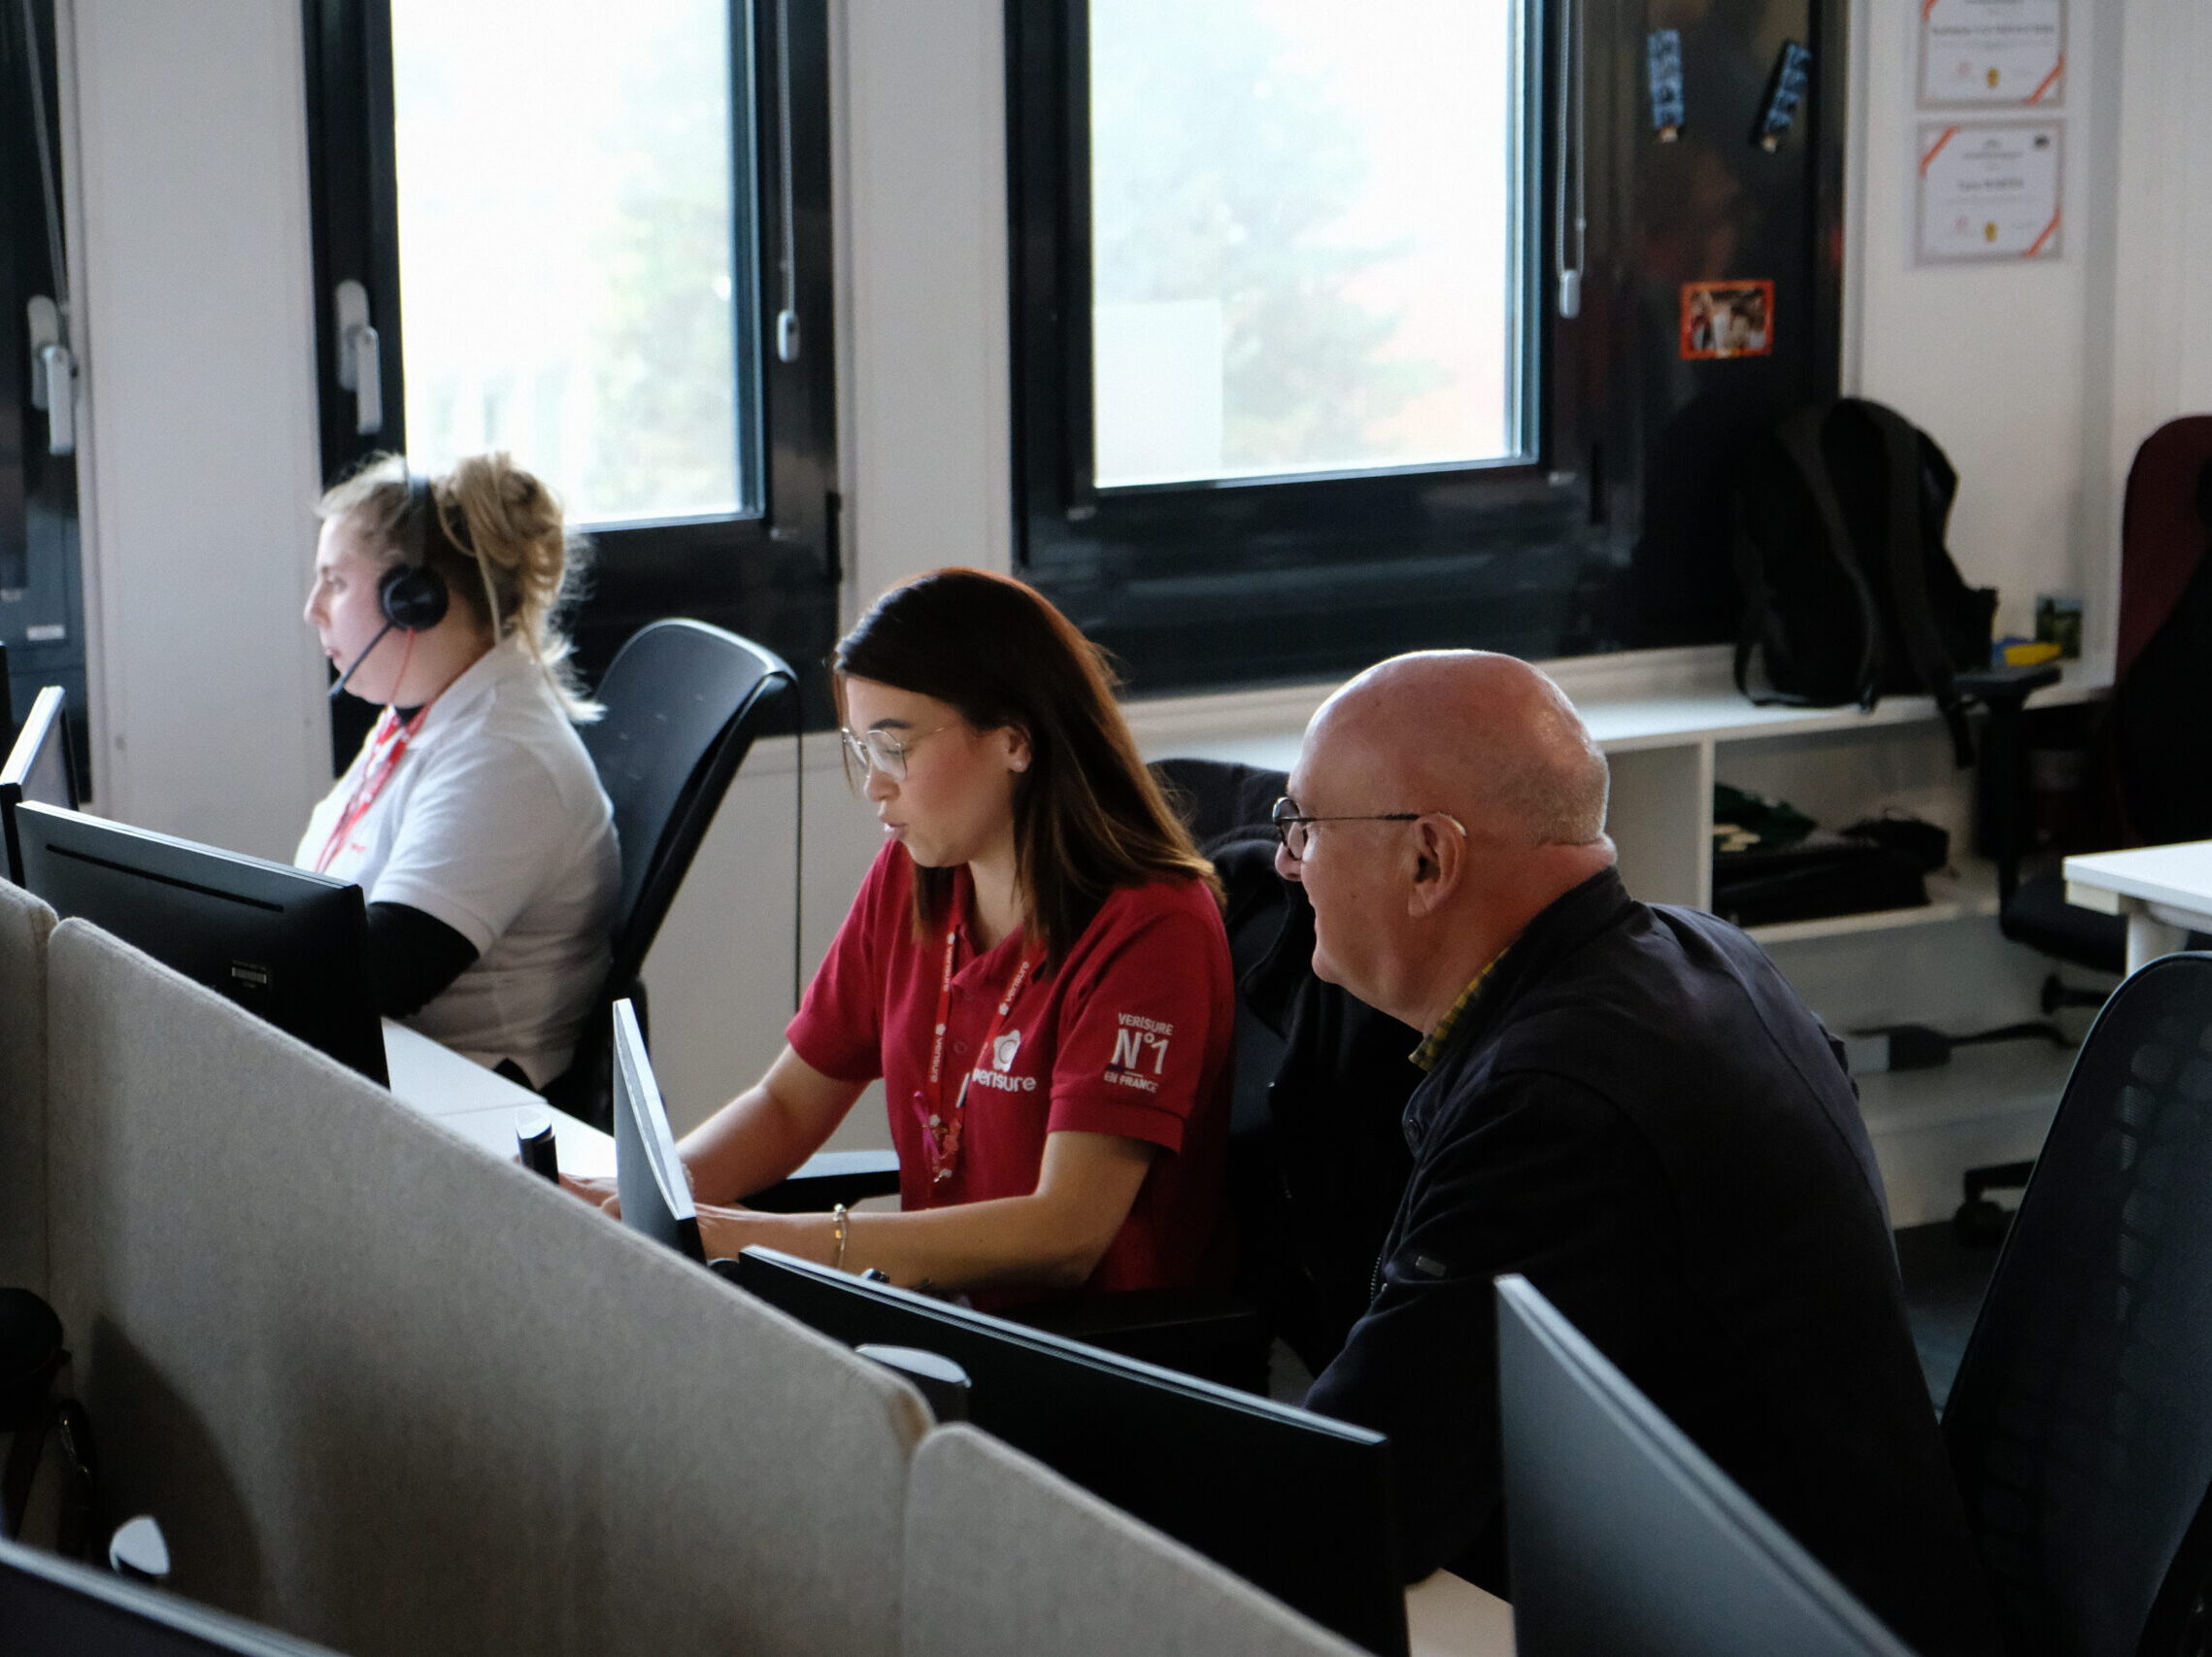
[
  {"x": 885, "y": 749},
  {"x": 1296, "y": 831}
]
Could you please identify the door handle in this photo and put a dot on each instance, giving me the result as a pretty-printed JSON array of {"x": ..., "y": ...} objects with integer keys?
[{"x": 360, "y": 368}]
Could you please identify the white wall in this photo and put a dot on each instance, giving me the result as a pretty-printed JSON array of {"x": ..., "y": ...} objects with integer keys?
[
  {"x": 2000, "y": 364},
  {"x": 190, "y": 259},
  {"x": 190, "y": 159}
]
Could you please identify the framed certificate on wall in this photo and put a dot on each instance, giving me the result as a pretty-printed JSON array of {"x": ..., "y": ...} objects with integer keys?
[
  {"x": 1991, "y": 53},
  {"x": 1991, "y": 192}
]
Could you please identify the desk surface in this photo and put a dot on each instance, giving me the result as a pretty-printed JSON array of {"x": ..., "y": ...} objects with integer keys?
[
  {"x": 2179, "y": 876},
  {"x": 1449, "y": 1616},
  {"x": 465, "y": 1098}
]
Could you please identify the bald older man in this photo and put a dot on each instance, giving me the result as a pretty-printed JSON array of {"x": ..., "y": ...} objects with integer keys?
[{"x": 1626, "y": 1102}]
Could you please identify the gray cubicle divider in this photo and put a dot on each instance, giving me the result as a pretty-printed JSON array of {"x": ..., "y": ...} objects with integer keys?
[
  {"x": 25, "y": 925},
  {"x": 1005, "y": 1558},
  {"x": 397, "y": 1397}
]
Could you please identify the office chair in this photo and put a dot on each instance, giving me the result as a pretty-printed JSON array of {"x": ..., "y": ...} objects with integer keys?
[
  {"x": 684, "y": 701},
  {"x": 2080, "y": 1425},
  {"x": 2146, "y": 793}
]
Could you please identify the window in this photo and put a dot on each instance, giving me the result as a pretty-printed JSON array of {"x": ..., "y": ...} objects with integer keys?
[
  {"x": 42, "y": 601},
  {"x": 597, "y": 240},
  {"x": 1338, "y": 336},
  {"x": 1306, "y": 247}
]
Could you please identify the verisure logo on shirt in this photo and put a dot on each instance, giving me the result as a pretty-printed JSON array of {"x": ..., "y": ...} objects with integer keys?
[{"x": 1140, "y": 1044}]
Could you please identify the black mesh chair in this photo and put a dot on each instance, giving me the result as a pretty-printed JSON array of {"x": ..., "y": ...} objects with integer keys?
[
  {"x": 684, "y": 702},
  {"x": 2080, "y": 1425}
]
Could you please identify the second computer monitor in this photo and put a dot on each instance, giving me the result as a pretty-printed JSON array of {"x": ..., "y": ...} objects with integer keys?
[
  {"x": 1625, "y": 1540},
  {"x": 1293, "y": 1503},
  {"x": 288, "y": 945},
  {"x": 37, "y": 769},
  {"x": 51, "y": 1606},
  {"x": 648, "y": 1176}
]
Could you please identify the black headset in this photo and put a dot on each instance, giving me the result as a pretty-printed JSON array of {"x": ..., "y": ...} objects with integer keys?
[{"x": 414, "y": 596}]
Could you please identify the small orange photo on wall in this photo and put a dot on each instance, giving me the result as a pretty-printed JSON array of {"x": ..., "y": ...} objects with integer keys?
[{"x": 1728, "y": 318}]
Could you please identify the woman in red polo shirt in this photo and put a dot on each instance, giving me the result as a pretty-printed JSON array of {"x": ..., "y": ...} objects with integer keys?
[{"x": 1035, "y": 966}]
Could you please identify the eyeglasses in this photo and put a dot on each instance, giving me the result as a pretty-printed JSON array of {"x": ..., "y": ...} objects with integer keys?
[
  {"x": 1296, "y": 832},
  {"x": 885, "y": 749}
]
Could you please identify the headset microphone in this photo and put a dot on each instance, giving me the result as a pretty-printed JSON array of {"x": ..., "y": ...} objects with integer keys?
[{"x": 338, "y": 689}]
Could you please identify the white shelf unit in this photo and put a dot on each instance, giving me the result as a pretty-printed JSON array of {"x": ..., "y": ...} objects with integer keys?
[
  {"x": 1669, "y": 723},
  {"x": 1967, "y": 891}
]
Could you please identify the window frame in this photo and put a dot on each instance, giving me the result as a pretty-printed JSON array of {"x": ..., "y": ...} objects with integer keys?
[
  {"x": 769, "y": 570},
  {"x": 1339, "y": 569},
  {"x": 43, "y": 622}
]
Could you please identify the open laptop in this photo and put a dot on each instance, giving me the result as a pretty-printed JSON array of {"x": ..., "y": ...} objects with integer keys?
[{"x": 648, "y": 1176}]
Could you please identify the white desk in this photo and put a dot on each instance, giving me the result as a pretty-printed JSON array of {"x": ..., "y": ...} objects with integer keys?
[
  {"x": 2164, "y": 892},
  {"x": 480, "y": 1106},
  {"x": 1449, "y": 1616}
]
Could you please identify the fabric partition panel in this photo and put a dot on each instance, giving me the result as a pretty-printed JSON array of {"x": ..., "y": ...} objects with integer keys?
[
  {"x": 396, "y": 1396},
  {"x": 1005, "y": 1558},
  {"x": 25, "y": 925}
]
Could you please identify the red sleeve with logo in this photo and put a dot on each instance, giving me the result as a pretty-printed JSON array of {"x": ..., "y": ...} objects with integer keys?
[
  {"x": 839, "y": 1027},
  {"x": 1144, "y": 1028}
]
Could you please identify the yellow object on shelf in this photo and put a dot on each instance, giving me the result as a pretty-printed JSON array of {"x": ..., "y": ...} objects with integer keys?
[{"x": 2030, "y": 654}]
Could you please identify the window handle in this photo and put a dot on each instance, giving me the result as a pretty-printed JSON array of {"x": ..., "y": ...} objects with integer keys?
[
  {"x": 1573, "y": 136},
  {"x": 788, "y": 259},
  {"x": 54, "y": 376},
  {"x": 360, "y": 367}
]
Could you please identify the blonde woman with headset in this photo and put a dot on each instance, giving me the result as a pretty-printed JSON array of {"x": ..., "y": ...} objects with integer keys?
[{"x": 472, "y": 817}]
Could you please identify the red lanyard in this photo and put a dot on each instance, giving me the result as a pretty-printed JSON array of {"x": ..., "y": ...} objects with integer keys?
[
  {"x": 383, "y": 762},
  {"x": 943, "y": 1120}
]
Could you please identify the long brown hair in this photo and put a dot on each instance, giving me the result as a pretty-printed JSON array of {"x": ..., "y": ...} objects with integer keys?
[{"x": 1088, "y": 820}]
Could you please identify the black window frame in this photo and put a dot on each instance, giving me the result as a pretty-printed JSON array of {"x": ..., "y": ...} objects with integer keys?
[
  {"x": 42, "y": 629},
  {"x": 1240, "y": 583},
  {"x": 770, "y": 573}
]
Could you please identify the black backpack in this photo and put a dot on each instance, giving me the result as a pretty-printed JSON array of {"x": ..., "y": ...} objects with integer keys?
[{"x": 1848, "y": 591}]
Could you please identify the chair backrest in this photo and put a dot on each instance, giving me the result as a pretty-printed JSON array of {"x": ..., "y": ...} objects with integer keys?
[
  {"x": 2161, "y": 528},
  {"x": 2080, "y": 1425},
  {"x": 1313, "y": 1185},
  {"x": 684, "y": 702}
]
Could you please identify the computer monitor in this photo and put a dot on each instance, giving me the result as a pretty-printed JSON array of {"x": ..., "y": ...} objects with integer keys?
[
  {"x": 288, "y": 945},
  {"x": 648, "y": 1176},
  {"x": 38, "y": 768},
  {"x": 56, "y": 1607},
  {"x": 1293, "y": 1503},
  {"x": 1626, "y": 1541}
]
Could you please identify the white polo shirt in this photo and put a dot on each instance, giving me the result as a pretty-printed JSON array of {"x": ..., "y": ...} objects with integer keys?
[{"x": 495, "y": 822}]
